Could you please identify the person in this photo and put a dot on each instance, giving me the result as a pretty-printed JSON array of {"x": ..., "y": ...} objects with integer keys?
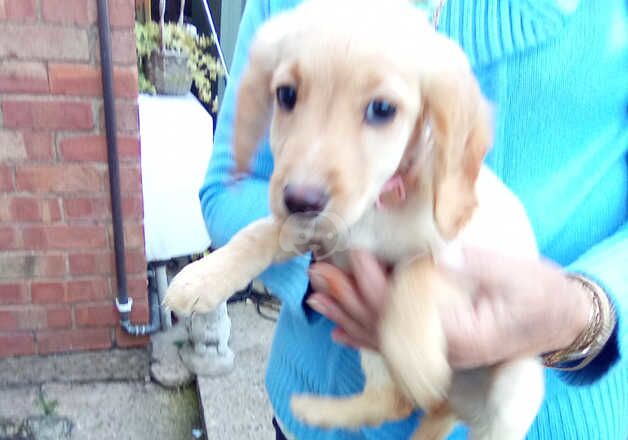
[{"x": 555, "y": 71}]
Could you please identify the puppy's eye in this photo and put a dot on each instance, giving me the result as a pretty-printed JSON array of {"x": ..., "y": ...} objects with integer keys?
[
  {"x": 286, "y": 97},
  {"x": 379, "y": 111}
]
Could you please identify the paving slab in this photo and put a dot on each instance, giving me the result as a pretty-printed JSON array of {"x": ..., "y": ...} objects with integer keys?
[
  {"x": 236, "y": 406},
  {"x": 106, "y": 395},
  {"x": 110, "y": 410},
  {"x": 112, "y": 365}
]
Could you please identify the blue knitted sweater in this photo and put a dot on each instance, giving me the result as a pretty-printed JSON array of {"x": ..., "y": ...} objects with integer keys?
[{"x": 557, "y": 73}]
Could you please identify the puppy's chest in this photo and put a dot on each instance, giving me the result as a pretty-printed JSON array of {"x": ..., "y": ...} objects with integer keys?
[{"x": 392, "y": 235}]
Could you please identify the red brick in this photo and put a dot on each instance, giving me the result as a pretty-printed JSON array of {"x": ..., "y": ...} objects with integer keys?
[
  {"x": 8, "y": 238},
  {"x": 13, "y": 294},
  {"x": 23, "y": 319},
  {"x": 88, "y": 290},
  {"x": 38, "y": 144},
  {"x": 21, "y": 266},
  {"x": 73, "y": 340},
  {"x": 18, "y": 10},
  {"x": 86, "y": 208},
  {"x": 6, "y": 178},
  {"x": 96, "y": 315},
  {"x": 133, "y": 207},
  {"x": 5, "y": 208},
  {"x": 124, "y": 340},
  {"x": 140, "y": 313},
  {"x": 123, "y": 47},
  {"x": 85, "y": 80},
  {"x": 8, "y": 320},
  {"x": 94, "y": 263},
  {"x": 32, "y": 319},
  {"x": 23, "y": 77},
  {"x": 65, "y": 11},
  {"x": 94, "y": 148},
  {"x": 133, "y": 235},
  {"x": 64, "y": 237},
  {"x": 51, "y": 210},
  {"x": 60, "y": 177},
  {"x": 59, "y": 317},
  {"x": 45, "y": 43},
  {"x": 127, "y": 116},
  {"x": 48, "y": 292},
  {"x": 16, "y": 344},
  {"x": 11, "y": 146},
  {"x": 139, "y": 316},
  {"x": 135, "y": 262},
  {"x": 25, "y": 209},
  {"x": 138, "y": 288},
  {"x": 122, "y": 13},
  {"x": 55, "y": 115},
  {"x": 130, "y": 178}
]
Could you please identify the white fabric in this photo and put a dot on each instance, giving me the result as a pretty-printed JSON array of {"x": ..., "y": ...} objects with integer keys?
[{"x": 176, "y": 144}]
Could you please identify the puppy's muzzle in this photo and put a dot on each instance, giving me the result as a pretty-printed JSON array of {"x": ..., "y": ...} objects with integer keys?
[{"x": 307, "y": 200}]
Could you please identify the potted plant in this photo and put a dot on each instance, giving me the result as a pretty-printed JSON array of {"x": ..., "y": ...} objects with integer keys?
[{"x": 172, "y": 56}]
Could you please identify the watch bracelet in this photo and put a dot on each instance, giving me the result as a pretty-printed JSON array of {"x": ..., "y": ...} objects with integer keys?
[{"x": 590, "y": 342}]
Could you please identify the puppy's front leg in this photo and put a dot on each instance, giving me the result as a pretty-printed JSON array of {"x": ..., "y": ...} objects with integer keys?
[
  {"x": 201, "y": 286},
  {"x": 412, "y": 339}
]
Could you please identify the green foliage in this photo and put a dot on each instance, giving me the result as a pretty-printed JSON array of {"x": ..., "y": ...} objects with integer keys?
[
  {"x": 205, "y": 68},
  {"x": 49, "y": 407}
]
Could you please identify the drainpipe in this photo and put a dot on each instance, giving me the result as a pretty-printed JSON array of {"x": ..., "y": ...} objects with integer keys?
[{"x": 123, "y": 302}]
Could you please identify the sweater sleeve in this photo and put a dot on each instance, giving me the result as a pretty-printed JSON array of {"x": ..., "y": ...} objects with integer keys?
[
  {"x": 227, "y": 206},
  {"x": 607, "y": 265}
]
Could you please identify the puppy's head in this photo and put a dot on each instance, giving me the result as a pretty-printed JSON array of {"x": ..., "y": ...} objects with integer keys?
[{"x": 349, "y": 89}]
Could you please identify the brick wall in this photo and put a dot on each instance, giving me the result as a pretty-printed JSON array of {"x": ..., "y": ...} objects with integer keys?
[{"x": 56, "y": 246}]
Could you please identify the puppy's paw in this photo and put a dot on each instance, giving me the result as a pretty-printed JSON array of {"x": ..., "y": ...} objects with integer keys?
[
  {"x": 314, "y": 411},
  {"x": 201, "y": 286}
]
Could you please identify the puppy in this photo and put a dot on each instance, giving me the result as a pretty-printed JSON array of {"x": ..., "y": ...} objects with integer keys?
[{"x": 362, "y": 95}]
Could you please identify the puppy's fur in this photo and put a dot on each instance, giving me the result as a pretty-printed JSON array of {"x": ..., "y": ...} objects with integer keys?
[{"x": 340, "y": 55}]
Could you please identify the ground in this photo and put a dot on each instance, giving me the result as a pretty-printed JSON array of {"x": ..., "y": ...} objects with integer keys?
[
  {"x": 109, "y": 394},
  {"x": 236, "y": 406}
]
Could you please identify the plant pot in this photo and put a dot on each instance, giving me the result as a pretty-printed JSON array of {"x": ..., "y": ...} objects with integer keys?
[{"x": 169, "y": 72}]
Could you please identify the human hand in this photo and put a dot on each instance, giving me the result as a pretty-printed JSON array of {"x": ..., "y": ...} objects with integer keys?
[{"x": 520, "y": 307}]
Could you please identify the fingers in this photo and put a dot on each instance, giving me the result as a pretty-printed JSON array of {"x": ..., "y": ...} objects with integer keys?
[
  {"x": 328, "y": 279},
  {"x": 343, "y": 337},
  {"x": 352, "y": 333},
  {"x": 355, "y": 302}
]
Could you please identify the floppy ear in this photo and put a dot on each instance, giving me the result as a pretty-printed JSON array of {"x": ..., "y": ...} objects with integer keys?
[
  {"x": 461, "y": 135},
  {"x": 255, "y": 98}
]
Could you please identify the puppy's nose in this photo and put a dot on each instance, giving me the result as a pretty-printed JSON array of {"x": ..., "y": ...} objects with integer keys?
[{"x": 304, "y": 199}]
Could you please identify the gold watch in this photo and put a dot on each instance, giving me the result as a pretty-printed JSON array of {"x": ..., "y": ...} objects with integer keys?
[{"x": 593, "y": 338}]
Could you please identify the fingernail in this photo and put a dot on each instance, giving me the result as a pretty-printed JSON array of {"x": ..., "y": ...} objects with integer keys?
[
  {"x": 318, "y": 281},
  {"x": 316, "y": 305}
]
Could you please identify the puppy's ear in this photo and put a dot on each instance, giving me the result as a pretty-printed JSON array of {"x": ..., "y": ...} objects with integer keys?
[
  {"x": 255, "y": 98},
  {"x": 458, "y": 115}
]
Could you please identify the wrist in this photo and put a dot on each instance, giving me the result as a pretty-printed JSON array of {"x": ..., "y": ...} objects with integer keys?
[
  {"x": 579, "y": 319},
  {"x": 598, "y": 314}
]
